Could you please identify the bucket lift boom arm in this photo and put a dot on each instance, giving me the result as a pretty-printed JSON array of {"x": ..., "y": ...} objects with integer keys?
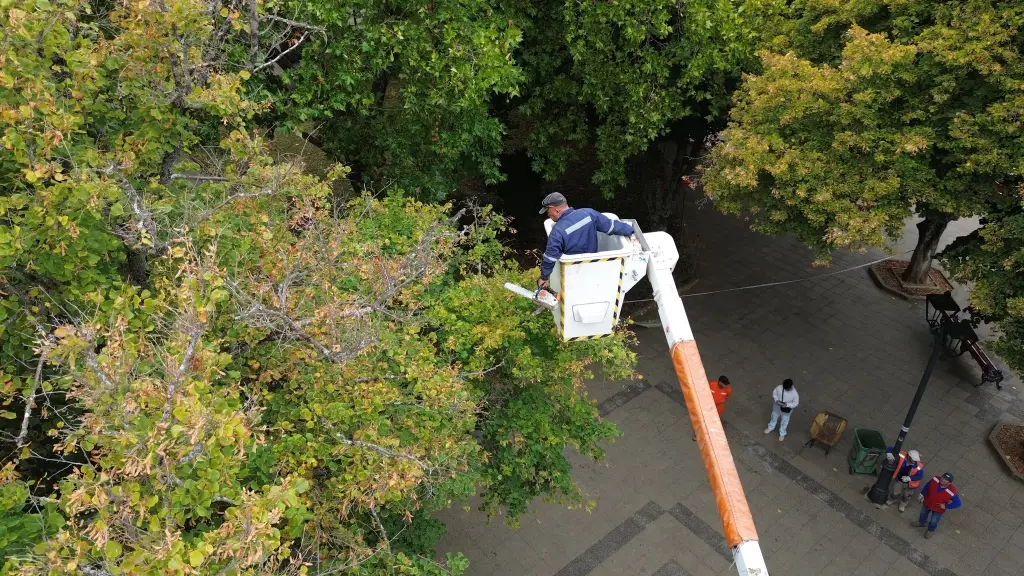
[
  {"x": 737, "y": 522},
  {"x": 658, "y": 251}
]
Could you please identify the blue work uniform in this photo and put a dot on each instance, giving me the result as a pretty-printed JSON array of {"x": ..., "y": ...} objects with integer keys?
[{"x": 576, "y": 233}]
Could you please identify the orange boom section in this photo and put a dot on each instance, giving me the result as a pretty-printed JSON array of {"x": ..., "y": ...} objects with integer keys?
[{"x": 737, "y": 522}]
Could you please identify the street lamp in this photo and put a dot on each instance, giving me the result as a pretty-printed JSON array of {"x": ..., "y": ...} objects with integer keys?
[{"x": 879, "y": 493}]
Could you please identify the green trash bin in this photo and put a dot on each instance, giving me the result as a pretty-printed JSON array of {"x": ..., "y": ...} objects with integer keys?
[{"x": 868, "y": 447}]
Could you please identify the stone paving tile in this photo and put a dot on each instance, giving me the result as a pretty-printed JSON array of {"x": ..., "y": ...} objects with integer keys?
[
  {"x": 671, "y": 568},
  {"x": 612, "y": 542},
  {"x": 852, "y": 555},
  {"x": 664, "y": 547},
  {"x": 852, "y": 350}
]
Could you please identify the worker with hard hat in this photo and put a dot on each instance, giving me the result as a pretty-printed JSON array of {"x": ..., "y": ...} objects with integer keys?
[
  {"x": 938, "y": 496},
  {"x": 907, "y": 477}
]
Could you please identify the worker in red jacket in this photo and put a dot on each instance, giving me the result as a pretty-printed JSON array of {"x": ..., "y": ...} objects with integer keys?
[
  {"x": 939, "y": 495},
  {"x": 720, "y": 391}
]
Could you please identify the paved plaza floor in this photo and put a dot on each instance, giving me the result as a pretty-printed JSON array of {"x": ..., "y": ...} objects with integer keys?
[{"x": 852, "y": 350}]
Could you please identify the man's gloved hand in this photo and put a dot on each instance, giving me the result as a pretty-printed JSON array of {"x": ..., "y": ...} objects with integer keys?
[
  {"x": 905, "y": 479},
  {"x": 542, "y": 284},
  {"x": 920, "y": 497},
  {"x": 889, "y": 456}
]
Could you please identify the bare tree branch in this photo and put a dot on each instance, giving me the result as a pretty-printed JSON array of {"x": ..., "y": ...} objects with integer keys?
[
  {"x": 278, "y": 320},
  {"x": 482, "y": 372},
  {"x": 387, "y": 453},
  {"x": 198, "y": 177},
  {"x": 192, "y": 454},
  {"x": 209, "y": 212},
  {"x": 282, "y": 54},
  {"x": 254, "y": 30},
  {"x": 181, "y": 83},
  {"x": 143, "y": 218},
  {"x": 167, "y": 165},
  {"x": 416, "y": 261},
  {"x": 375, "y": 378},
  {"x": 30, "y": 399},
  {"x": 380, "y": 527},
  {"x": 213, "y": 54},
  {"x": 179, "y": 376},
  {"x": 38, "y": 500},
  {"x": 293, "y": 23},
  {"x": 93, "y": 362}
]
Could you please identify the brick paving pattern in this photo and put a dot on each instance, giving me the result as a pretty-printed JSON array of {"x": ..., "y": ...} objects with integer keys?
[{"x": 852, "y": 350}]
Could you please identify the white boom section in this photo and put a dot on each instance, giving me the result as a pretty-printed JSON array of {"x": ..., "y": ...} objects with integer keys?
[
  {"x": 737, "y": 521},
  {"x": 660, "y": 264},
  {"x": 749, "y": 560}
]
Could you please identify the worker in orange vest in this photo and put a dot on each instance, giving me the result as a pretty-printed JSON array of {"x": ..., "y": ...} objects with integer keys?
[
  {"x": 907, "y": 477},
  {"x": 939, "y": 495},
  {"x": 720, "y": 391}
]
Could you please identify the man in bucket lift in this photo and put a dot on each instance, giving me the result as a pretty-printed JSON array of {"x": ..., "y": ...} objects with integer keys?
[{"x": 575, "y": 232}]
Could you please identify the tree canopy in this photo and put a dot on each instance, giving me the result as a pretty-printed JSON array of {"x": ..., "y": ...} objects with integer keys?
[
  {"x": 402, "y": 90},
  {"x": 867, "y": 111},
  {"x": 636, "y": 86},
  {"x": 619, "y": 74},
  {"x": 991, "y": 259},
  {"x": 214, "y": 364}
]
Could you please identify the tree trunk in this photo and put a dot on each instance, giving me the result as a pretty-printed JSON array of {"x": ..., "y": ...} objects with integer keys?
[{"x": 929, "y": 231}]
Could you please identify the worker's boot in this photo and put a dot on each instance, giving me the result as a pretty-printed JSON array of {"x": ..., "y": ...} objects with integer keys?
[
  {"x": 916, "y": 524},
  {"x": 929, "y": 534},
  {"x": 903, "y": 506}
]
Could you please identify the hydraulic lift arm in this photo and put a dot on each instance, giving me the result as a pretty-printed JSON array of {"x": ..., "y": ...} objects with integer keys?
[
  {"x": 591, "y": 282},
  {"x": 733, "y": 509}
]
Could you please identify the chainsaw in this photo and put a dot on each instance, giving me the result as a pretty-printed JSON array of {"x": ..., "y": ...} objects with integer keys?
[{"x": 544, "y": 298}]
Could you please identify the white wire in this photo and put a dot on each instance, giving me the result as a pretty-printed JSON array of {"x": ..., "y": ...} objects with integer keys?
[{"x": 769, "y": 284}]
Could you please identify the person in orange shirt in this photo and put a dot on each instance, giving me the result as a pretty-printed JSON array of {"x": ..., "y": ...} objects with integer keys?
[{"x": 720, "y": 391}]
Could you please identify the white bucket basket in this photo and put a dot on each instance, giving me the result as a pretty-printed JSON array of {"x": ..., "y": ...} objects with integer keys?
[{"x": 591, "y": 287}]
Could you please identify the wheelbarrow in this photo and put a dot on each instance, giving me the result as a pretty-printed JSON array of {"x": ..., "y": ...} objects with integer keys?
[
  {"x": 868, "y": 447},
  {"x": 828, "y": 429}
]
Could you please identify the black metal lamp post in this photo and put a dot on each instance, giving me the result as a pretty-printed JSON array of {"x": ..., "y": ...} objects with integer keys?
[{"x": 879, "y": 493}]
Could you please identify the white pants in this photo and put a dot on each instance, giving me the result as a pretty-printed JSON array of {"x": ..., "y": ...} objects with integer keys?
[{"x": 776, "y": 412}]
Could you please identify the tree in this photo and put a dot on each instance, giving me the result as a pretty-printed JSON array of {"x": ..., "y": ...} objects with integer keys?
[
  {"x": 401, "y": 90},
  {"x": 637, "y": 81},
  {"x": 212, "y": 364},
  {"x": 991, "y": 259},
  {"x": 870, "y": 110}
]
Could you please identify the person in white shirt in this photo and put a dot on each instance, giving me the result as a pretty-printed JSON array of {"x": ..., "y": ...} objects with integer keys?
[{"x": 785, "y": 398}]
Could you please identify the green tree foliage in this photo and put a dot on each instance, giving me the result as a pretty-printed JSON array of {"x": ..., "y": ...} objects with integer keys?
[
  {"x": 402, "y": 89},
  {"x": 213, "y": 365},
  {"x": 992, "y": 260},
  {"x": 618, "y": 76},
  {"x": 866, "y": 111}
]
